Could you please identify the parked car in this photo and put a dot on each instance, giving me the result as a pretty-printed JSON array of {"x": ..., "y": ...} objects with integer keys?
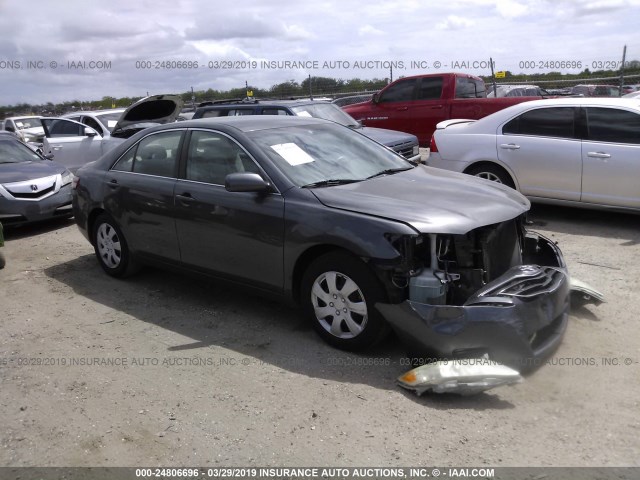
[
  {"x": 416, "y": 104},
  {"x": 516, "y": 91},
  {"x": 573, "y": 151},
  {"x": 596, "y": 90},
  {"x": 626, "y": 89},
  {"x": 32, "y": 188},
  {"x": 26, "y": 128},
  {"x": 632, "y": 95},
  {"x": 81, "y": 137},
  {"x": 307, "y": 210},
  {"x": 402, "y": 143}
]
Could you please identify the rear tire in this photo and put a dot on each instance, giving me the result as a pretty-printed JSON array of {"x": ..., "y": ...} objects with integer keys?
[
  {"x": 494, "y": 173},
  {"x": 112, "y": 250},
  {"x": 338, "y": 296}
]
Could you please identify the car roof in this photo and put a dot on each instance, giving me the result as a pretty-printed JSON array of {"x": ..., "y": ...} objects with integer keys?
[
  {"x": 94, "y": 112},
  {"x": 587, "y": 101},
  {"x": 248, "y": 123},
  {"x": 22, "y": 116},
  {"x": 269, "y": 103}
]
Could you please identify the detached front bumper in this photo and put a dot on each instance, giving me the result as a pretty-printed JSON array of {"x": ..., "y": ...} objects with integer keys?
[{"x": 518, "y": 319}]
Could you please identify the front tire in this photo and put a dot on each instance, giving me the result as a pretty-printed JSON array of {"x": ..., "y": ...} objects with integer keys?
[
  {"x": 338, "y": 295},
  {"x": 111, "y": 248},
  {"x": 493, "y": 173}
]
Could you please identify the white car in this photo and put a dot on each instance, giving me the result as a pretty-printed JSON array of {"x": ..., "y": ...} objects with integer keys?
[
  {"x": 81, "y": 137},
  {"x": 27, "y": 128},
  {"x": 574, "y": 151}
]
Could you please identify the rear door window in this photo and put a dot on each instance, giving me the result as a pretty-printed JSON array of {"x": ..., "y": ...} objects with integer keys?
[
  {"x": 156, "y": 155},
  {"x": 430, "y": 88},
  {"x": 557, "y": 122}
]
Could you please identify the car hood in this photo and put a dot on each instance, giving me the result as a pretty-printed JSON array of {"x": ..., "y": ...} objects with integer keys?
[
  {"x": 386, "y": 137},
  {"x": 19, "y": 172},
  {"x": 156, "y": 109},
  {"x": 430, "y": 200}
]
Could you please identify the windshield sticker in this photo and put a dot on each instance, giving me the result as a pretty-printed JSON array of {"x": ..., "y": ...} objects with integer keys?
[
  {"x": 303, "y": 113},
  {"x": 292, "y": 153},
  {"x": 111, "y": 123}
]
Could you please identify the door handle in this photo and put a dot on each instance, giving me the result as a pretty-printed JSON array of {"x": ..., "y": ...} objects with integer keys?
[
  {"x": 56, "y": 147},
  {"x": 185, "y": 198},
  {"x": 402, "y": 109},
  {"x": 510, "y": 146},
  {"x": 598, "y": 155},
  {"x": 113, "y": 183}
]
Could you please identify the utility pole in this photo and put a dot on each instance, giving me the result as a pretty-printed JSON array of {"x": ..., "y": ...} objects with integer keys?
[
  {"x": 391, "y": 74},
  {"x": 624, "y": 57},
  {"x": 310, "y": 89},
  {"x": 493, "y": 78}
]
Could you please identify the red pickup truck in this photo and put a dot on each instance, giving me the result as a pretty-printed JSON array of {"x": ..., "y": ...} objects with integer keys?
[{"x": 417, "y": 104}]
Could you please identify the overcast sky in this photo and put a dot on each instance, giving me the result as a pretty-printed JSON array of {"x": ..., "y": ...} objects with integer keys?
[{"x": 342, "y": 32}]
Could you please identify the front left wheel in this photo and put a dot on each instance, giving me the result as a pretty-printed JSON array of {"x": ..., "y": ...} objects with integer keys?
[
  {"x": 338, "y": 295},
  {"x": 111, "y": 247}
]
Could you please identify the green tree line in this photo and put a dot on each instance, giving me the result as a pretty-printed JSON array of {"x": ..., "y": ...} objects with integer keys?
[{"x": 316, "y": 86}]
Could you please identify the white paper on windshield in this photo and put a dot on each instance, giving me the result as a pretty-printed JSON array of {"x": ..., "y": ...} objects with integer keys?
[
  {"x": 19, "y": 124},
  {"x": 292, "y": 153},
  {"x": 111, "y": 123},
  {"x": 303, "y": 113}
]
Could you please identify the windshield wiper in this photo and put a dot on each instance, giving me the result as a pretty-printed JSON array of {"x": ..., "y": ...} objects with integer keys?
[
  {"x": 331, "y": 183},
  {"x": 389, "y": 171}
]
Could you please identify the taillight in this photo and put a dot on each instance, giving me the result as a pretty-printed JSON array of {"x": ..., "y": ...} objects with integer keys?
[{"x": 432, "y": 144}]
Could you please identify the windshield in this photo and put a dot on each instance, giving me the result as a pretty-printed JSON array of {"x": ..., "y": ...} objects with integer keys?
[
  {"x": 27, "y": 122},
  {"x": 12, "y": 151},
  {"x": 109, "y": 120},
  {"x": 309, "y": 154},
  {"x": 326, "y": 111}
]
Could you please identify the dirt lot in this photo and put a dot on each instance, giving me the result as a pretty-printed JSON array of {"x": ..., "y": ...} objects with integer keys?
[{"x": 168, "y": 370}]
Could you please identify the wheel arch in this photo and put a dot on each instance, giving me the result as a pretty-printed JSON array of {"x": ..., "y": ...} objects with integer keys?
[
  {"x": 308, "y": 256},
  {"x": 91, "y": 220},
  {"x": 493, "y": 163}
]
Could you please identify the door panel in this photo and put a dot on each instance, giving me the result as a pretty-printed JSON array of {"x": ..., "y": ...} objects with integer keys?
[
  {"x": 142, "y": 185},
  {"x": 611, "y": 157},
  {"x": 541, "y": 148},
  {"x": 67, "y": 141},
  {"x": 240, "y": 235}
]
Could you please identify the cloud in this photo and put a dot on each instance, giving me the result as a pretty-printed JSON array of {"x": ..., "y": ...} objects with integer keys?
[
  {"x": 511, "y": 9},
  {"x": 367, "y": 30},
  {"x": 454, "y": 22}
]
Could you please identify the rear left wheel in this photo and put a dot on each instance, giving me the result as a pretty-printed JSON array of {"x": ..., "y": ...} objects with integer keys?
[{"x": 111, "y": 247}]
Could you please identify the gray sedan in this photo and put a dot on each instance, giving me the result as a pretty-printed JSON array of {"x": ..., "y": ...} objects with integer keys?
[
  {"x": 31, "y": 187},
  {"x": 580, "y": 152},
  {"x": 310, "y": 211}
]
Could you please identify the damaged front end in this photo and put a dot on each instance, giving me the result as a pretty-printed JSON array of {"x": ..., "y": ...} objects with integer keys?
[{"x": 496, "y": 292}]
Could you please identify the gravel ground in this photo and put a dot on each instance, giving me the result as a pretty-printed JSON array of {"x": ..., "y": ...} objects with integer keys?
[{"x": 170, "y": 370}]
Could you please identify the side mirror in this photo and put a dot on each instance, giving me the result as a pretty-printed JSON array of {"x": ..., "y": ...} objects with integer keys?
[
  {"x": 246, "y": 182},
  {"x": 376, "y": 97},
  {"x": 90, "y": 132}
]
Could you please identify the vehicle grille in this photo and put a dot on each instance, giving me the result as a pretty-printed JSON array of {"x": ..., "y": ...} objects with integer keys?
[
  {"x": 36, "y": 194},
  {"x": 530, "y": 282},
  {"x": 35, "y": 189},
  {"x": 404, "y": 149}
]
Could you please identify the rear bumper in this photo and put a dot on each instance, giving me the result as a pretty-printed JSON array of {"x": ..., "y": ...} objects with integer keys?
[{"x": 518, "y": 319}]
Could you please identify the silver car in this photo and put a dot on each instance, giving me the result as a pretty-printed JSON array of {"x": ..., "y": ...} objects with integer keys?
[
  {"x": 576, "y": 151},
  {"x": 81, "y": 137}
]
